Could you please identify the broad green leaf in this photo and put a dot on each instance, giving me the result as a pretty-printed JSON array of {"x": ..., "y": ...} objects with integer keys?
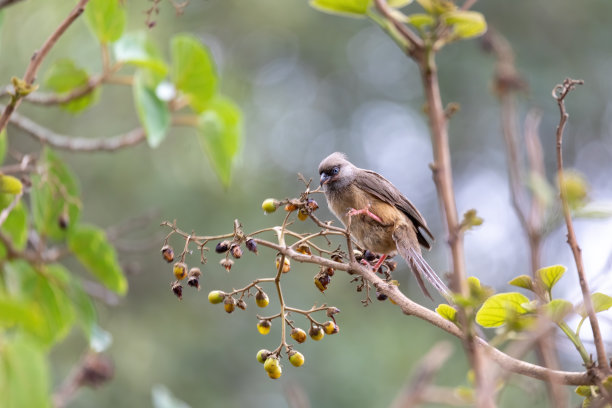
[
  {"x": 220, "y": 133},
  {"x": 398, "y": 3},
  {"x": 45, "y": 290},
  {"x": 137, "y": 49},
  {"x": 523, "y": 281},
  {"x": 465, "y": 24},
  {"x": 90, "y": 246},
  {"x": 447, "y": 312},
  {"x": 497, "y": 309},
  {"x": 24, "y": 377},
  {"x": 193, "y": 71},
  {"x": 349, "y": 8},
  {"x": 3, "y": 145},
  {"x": 53, "y": 195},
  {"x": 595, "y": 209},
  {"x": 601, "y": 303},
  {"x": 550, "y": 275},
  {"x": 106, "y": 18},
  {"x": 420, "y": 20},
  {"x": 152, "y": 112},
  {"x": 16, "y": 224},
  {"x": 437, "y": 6},
  {"x": 64, "y": 77},
  {"x": 557, "y": 309},
  {"x": 18, "y": 312}
]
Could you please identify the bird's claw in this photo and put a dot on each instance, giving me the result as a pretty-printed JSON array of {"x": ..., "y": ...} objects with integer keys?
[{"x": 352, "y": 212}]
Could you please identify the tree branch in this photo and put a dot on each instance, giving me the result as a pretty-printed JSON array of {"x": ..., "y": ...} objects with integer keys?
[
  {"x": 38, "y": 57},
  {"x": 559, "y": 92}
]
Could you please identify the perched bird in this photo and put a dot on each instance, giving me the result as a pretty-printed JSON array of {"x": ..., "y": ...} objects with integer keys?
[{"x": 382, "y": 220}]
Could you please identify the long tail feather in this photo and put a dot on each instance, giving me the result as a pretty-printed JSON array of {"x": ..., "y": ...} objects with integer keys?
[{"x": 420, "y": 267}]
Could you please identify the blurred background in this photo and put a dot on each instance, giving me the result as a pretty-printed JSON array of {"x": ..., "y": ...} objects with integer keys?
[{"x": 310, "y": 84}]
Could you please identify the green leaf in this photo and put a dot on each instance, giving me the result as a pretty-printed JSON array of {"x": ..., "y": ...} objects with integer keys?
[
  {"x": 24, "y": 375},
  {"x": 220, "y": 133},
  {"x": 471, "y": 220},
  {"x": 193, "y": 71},
  {"x": 465, "y": 24},
  {"x": 106, "y": 18},
  {"x": 45, "y": 290},
  {"x": 15, "y": 226},
  {"x": 64, "y": 77},
  {"x": 420, "y": 20},
  {"x": 436, "y": 7},
  {"x": 595, "y": 209},
  {"x": 54, "y": 194},
  {"x": 137, "y": 49},
  {"x": 550, "y": 275},
  {"x": 18, "y": 312},
  {"x": 447, "y": 312},
  {"x": 152, "y": 112},
  {"x": 601, "y": 303},
  {"x": 498, "y": 309},
  {"x": 349, "y": 8},
  {"x": 92, "y": 249},
  {"x": 557, "y": 309},
  {"x": 523, "y": 281},
  {"x": 3, "y": 145},
  {"x": 85, "y": 309}
]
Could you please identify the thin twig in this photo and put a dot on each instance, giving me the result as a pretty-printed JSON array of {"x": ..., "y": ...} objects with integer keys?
[
  {"x": 38, "y": 57},
  {"x": 559, "y": 93}
]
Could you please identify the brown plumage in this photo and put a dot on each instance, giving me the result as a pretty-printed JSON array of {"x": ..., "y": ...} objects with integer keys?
[{"x": 401, "y": 228}]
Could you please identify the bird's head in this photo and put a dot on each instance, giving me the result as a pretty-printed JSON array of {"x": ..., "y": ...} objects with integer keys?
[{"x": 336, "y": 171}]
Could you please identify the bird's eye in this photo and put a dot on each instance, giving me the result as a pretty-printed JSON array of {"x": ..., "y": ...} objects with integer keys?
[{"x": 335, "y": 170}]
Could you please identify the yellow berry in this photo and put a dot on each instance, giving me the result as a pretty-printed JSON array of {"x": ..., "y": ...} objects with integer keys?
[
  {"x": 262, "y": 355},
  {"x": 269, "y": 205},
  {"x": 316, "y": 333},
  {"x": 298, "y": 335},
  {"x": 296, "y": 358},
  {"x": 180, "y": 270},
  {"x": 262, "y": 299},
  {"x": 10, "y": 185},
  {"x": 264, "y": 326},
  {"x": 276, "y": 375},
  {"x": 302, "y": 214},
  {"x": 229, "y": 304},
  {"x": 272, "y": 366},
  {"x": 286, "y": 263},
  {"x": 330, "y": 327},
  {"x": 216, "y": 296}
]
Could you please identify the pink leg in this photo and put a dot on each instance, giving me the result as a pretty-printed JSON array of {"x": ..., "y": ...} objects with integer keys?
[
  {"x": 380, "y": 262},
  {"x": 365, "y": 211}
]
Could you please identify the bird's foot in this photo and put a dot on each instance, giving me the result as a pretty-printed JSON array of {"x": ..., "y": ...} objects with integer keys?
[
  {"x": 380, "y": 262},
  {"x": 351, "y": 212}
]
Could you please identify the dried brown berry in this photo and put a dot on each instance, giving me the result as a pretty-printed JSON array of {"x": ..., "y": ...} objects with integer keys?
[
  {"x": 229, "y": 304},
  {"x": 236, "y": 251},
  {"x": 251, "y": 245},
  {"x": 177, "y": 289},
  {"x": 290, "y": 207},
  {"x": 194, "y": 282},
  {"x": 331, "y": 311},
  {"x": 391, "y": 265},
  {"x": 168, "y": 253},
  {"x": 381, "y": 296},
  {"x": 222, "y": 247},
  {"x": 369, "y": 256},
  {"x": 329, "y": 271},
  {"x": 321, "y": 281},
  {"x": 241, "y": 304},
  {"x": 303, "y": 249},
  {"x": 312, "y": 205},
  {"x": 227, "y": 264},
  {"x": 286, "y": 263},
  {"x": 63, "y": 222}
]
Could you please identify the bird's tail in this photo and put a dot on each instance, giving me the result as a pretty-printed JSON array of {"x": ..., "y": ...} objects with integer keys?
[{"x": 419, "y": 266}]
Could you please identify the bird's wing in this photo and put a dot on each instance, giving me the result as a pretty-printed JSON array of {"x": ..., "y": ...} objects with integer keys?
[{"x": 382, "y": 189}]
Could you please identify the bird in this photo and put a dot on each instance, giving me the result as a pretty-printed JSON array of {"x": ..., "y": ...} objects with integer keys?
[{"x": 382, "y": 220}]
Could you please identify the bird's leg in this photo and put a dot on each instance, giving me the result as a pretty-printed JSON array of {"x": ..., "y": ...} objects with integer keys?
[
  {"x": 351, "y": 212},
  {"x": 380, "y": 262}
]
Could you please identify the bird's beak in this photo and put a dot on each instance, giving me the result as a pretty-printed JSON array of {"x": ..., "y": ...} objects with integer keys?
[{"x": 324, "y": 178}]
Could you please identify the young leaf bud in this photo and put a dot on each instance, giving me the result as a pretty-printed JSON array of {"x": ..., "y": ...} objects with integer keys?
[
  {"x": 330, "y": 327},
  {"x": 316, "y": 333},
  {"x": 298, "y": 335},
  {"x": 264, "y": 326},
  {"x": 229, "y": 304},
  {"x": 177, "y": 289},
  {"x": 296, "y": 358},
  {"x": 222, "y": 247},
  {"x": 168, "y": 253},
  {"x": 180, "y": 270},
  {"x": 251, "y": 245},
  {"x": 216, "y": 296},
  {"x": 262, "y": 355},
  {"x": 236, "y": 251},
  {"x": 227, "y": 264},
  {"x": 269, "y": 205},
  {"x": 241, "y": 304},
  {"x": 261, "y": 299}
]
